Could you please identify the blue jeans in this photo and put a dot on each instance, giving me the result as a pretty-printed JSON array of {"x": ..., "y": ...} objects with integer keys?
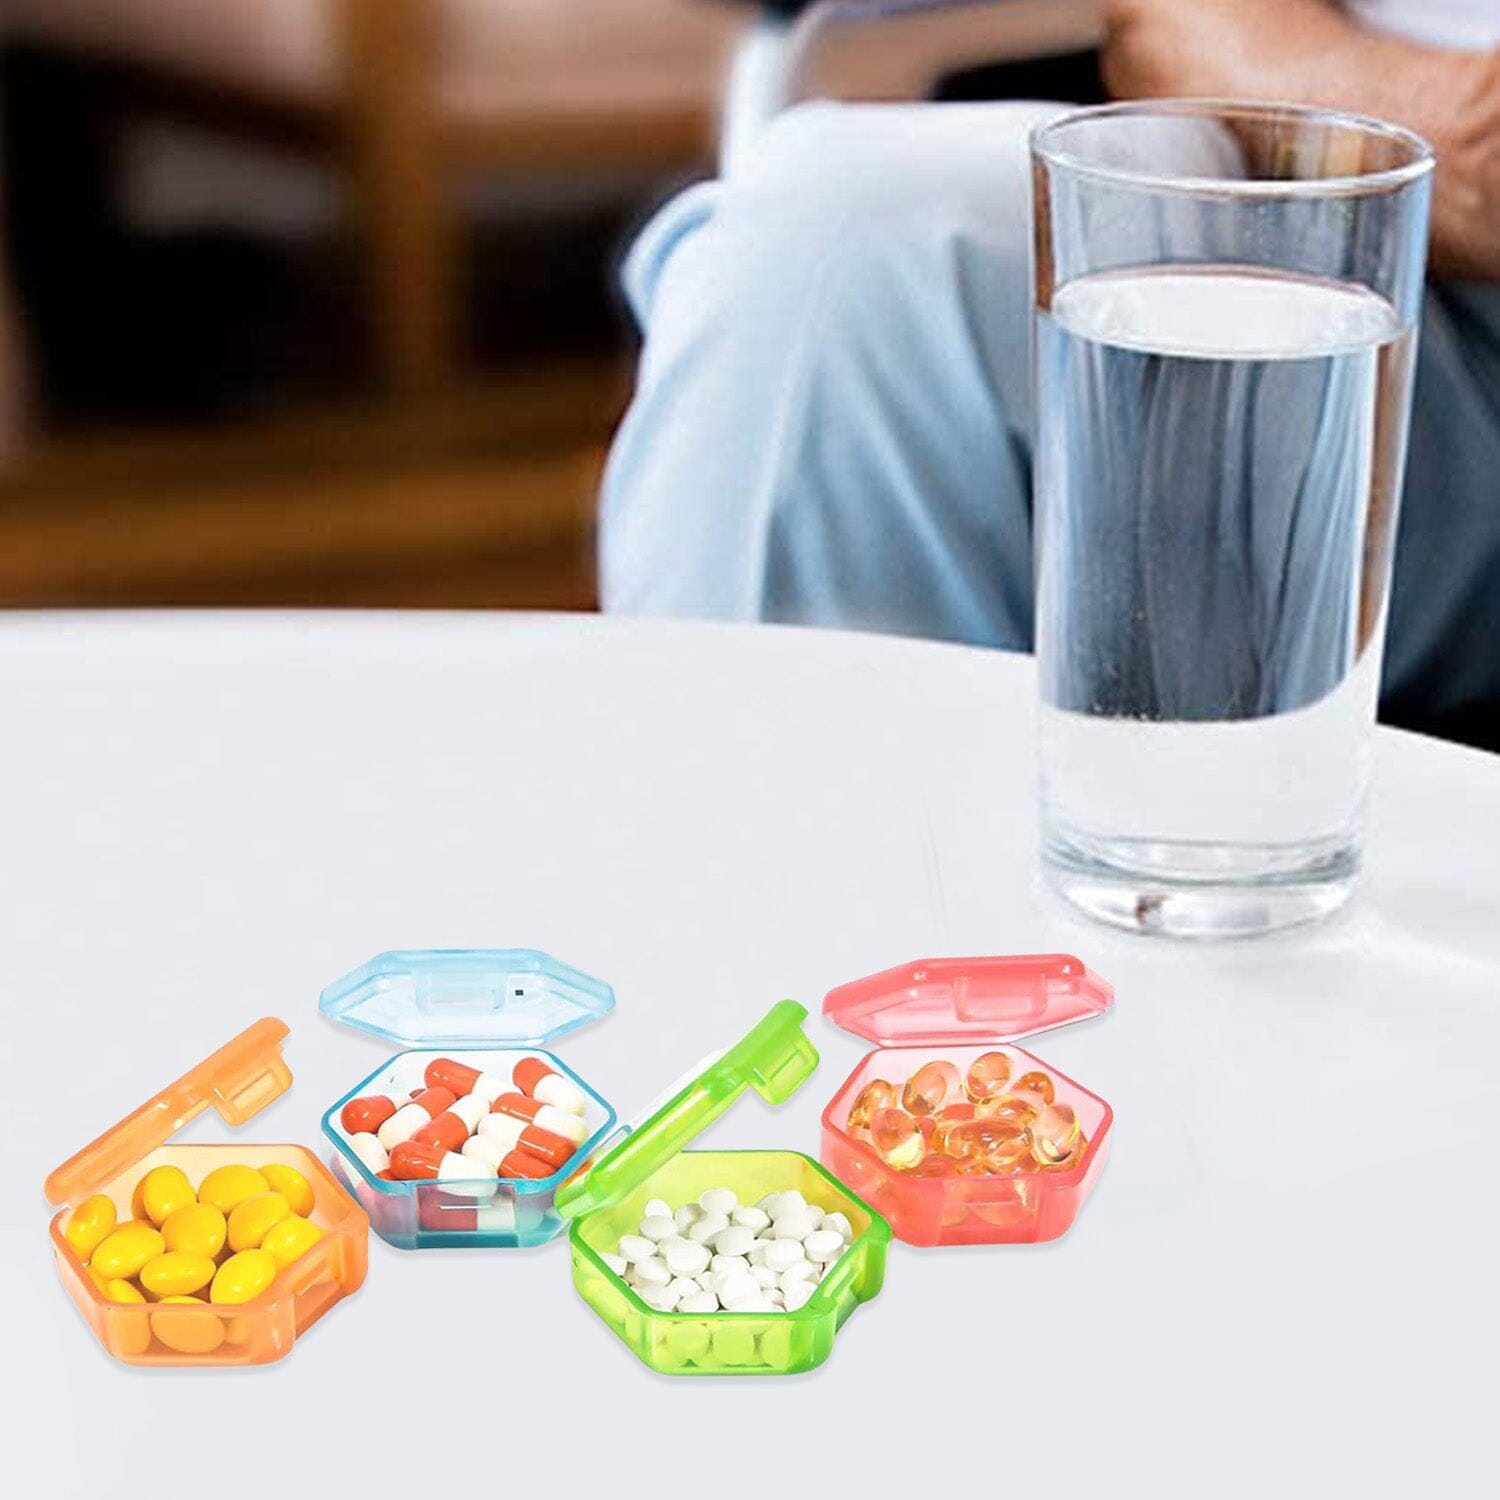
[{"x": 831, "y": 423}]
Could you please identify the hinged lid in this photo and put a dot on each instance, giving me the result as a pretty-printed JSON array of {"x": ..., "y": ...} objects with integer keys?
[
  {"x": 239, "y": 1080},
  {"x": 775, "y": 1057},
  {"x": 953, "y": 1000},
  {"x": 467, "y": 997}
]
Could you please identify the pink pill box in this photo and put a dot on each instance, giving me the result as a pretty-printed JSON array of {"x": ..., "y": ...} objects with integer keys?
[{"x": 958, "y": 1009}]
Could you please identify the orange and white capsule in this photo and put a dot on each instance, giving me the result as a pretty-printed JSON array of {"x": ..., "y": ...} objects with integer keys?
[
  {"x": 556, "y": 1150},
  {"x": 548, "y": 1116},
  {"x": 454, "y": 1126},
  {"x": 369, "y": 1150},
  {"x": 417, "y": 1161},
  {"x": 486, "y": 1149},
  {"x": 538, "y": 1081},
  {"x": 451, "y": 1213},
  {"x": 410, "y": 1118},
  {"x": 523, "y": 1164},
  {"x": 519, "y": 1135},
  {"x": 365, "y": 1116},
  {"x": 460, "y": 1079}
]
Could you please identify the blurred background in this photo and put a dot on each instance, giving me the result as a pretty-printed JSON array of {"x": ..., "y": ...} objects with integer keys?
[{"x": 311, "y": 302}]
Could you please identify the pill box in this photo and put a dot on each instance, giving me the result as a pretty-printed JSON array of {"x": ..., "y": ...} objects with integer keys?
[
  {"x": 487, "y": 1008},
  {"x": 959, "y": 1008},
  {"x": 238, "y": 1081},
  {"x": 775, "y": 1058}
]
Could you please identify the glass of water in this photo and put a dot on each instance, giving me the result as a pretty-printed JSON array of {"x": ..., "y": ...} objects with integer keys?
[{"x": 1227, "y": 299}]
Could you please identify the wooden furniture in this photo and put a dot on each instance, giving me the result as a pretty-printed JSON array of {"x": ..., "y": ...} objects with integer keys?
[
  {"x": 408, "y": 95},
  {"x": 484, "y": 498}
]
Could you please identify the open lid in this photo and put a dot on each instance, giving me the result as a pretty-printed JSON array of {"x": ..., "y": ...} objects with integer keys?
[
  {"x": 965, "y": 1000},
  {"x": 239, "y": 1080},
  {"x": 775, "y": 1057},
  {"x": 467, "y": 997}
]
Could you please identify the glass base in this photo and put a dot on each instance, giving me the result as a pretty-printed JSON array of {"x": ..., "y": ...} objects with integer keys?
[{"x": 1199, "y": 890}]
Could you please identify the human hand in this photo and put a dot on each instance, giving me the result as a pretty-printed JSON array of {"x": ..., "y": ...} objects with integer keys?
[
  {"x": 1184, "y": 48},
  {"x": 1466, "y": 185},
  {"x": 1311, "y": 52}
]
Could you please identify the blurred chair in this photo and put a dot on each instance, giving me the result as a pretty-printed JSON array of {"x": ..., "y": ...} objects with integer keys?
[{"x": 408, "y": 94}]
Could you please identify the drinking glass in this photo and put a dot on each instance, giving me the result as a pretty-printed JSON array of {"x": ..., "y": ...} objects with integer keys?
[{"x": 1226, "y": 306}]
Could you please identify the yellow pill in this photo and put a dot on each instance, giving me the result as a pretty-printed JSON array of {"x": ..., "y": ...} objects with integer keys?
[
  {"x": 188, "y": 1333},
  {"x": 292, "y": 1186},
  {"x": 102, "y": 1282},
  {"x": 292, "y": 1237},
  {"x": 199, "y": 1229},
  {"x": 163, "y": 1190},
  {"x": 228, "y": 1187},
  {"x": 250, "y": 1221},
  {"x": 92, "y": 1221},
  {"x": 128, "y": 1333},
  {"x": 124, "y": 1252},
  {"x": 117, "y": 1289},
  {"x": 243, "y": 1277},
  {"x": 177, "y": 1273}
]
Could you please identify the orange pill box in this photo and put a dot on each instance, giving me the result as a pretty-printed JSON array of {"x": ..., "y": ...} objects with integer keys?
[
  {"x": 958, "y": 1009},
  {"x": 238, "y": 1081},
  {"x": 477, "y": 1023}
]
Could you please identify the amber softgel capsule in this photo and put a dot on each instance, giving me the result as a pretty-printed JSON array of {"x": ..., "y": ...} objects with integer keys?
[
  {"x": 1010, "y": 1155},
  {"x": 932, "y": 1086},
  {"x": 999, "y": 1144},
  {"x": 897, "y": 1138},
  {"x": 1021, "y": 1108},
  {"x": 1035, "y": 1082},
  {"x": 934, "y": 1164},
  {"x": 1056, "y": 1136},
  {"x": 877, "y": 1094},
  {"x": 981, "y": 1122},
  {"x": 947, "y": 1119},
  {"x": 987, "y": 1077}
]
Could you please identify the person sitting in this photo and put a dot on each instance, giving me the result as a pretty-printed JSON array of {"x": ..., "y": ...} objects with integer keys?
[{"x": 831, "y": 420}]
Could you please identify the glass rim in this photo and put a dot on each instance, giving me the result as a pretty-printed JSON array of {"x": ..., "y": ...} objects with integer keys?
[{"x": 1054, "y": 154}]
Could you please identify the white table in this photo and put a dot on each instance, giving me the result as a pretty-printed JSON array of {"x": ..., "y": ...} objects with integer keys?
[{"x": 1284, "y": 1283}]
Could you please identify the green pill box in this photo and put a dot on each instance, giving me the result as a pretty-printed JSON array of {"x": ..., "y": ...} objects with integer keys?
[{"x": 608, "y": 1198}]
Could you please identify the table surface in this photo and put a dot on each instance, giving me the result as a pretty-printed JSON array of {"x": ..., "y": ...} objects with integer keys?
[{"x": 1285, "y": 1276}]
